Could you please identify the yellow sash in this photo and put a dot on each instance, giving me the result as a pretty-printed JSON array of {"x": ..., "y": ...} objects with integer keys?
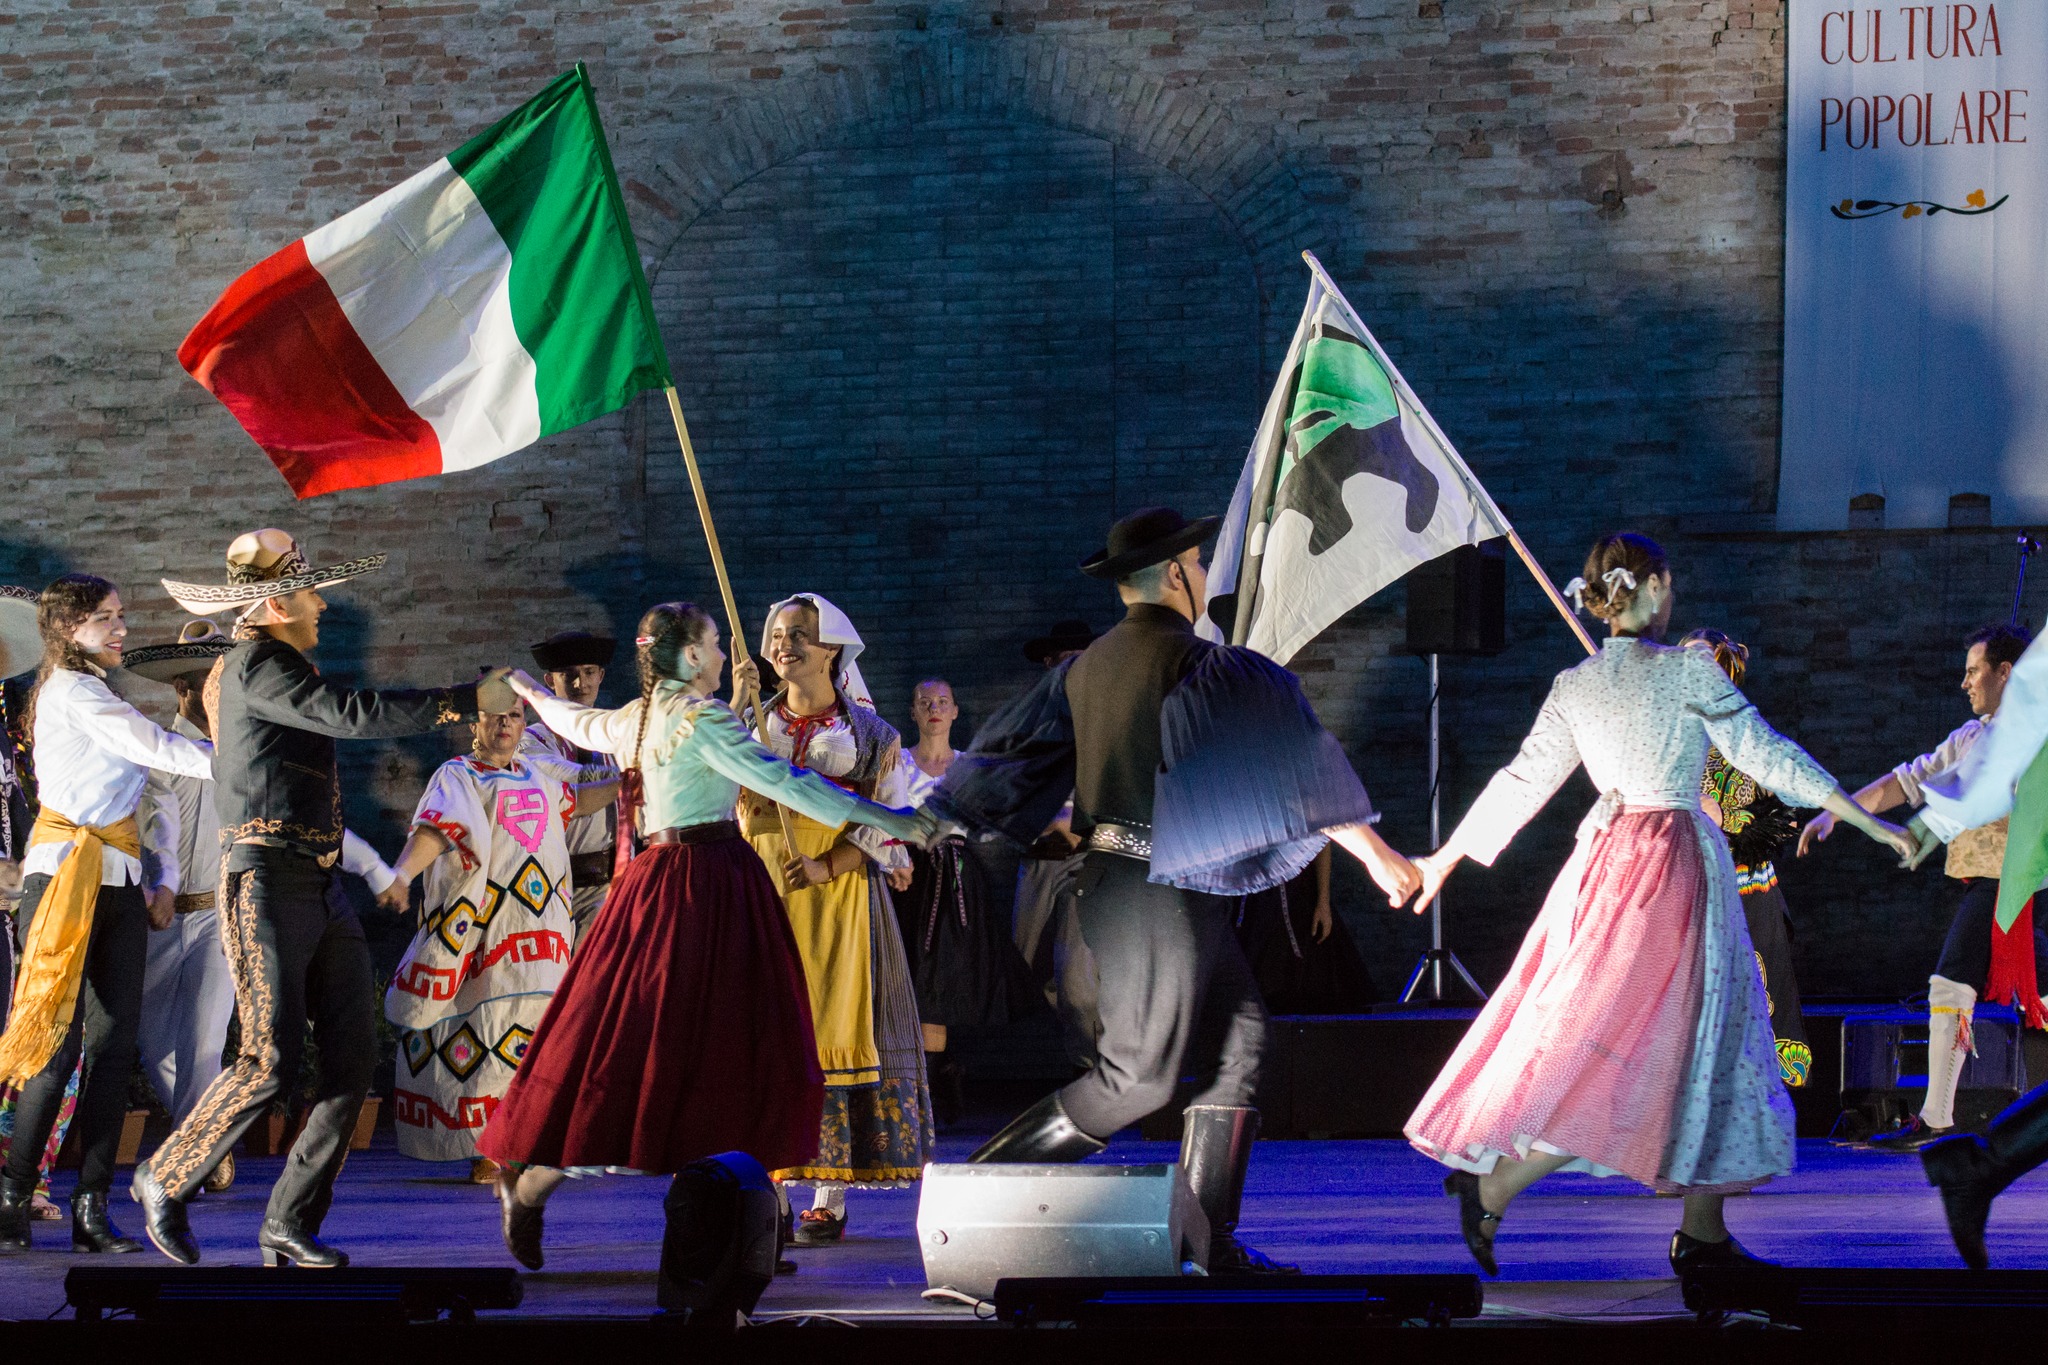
[{"x": 53, "y": 957}]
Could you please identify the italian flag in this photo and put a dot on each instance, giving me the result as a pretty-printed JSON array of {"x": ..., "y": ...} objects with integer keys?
[{"x": 492, "y": 299}]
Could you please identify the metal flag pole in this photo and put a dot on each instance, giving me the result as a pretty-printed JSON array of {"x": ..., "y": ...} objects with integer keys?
[
  {"x": 1437, "y": 957},
  {"x": 752, "y": 696}
]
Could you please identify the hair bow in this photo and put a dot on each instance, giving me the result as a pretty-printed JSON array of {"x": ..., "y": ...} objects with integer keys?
[
  {"x": 1576, "y": 590},
  {"x": 1621, "y": 577}
]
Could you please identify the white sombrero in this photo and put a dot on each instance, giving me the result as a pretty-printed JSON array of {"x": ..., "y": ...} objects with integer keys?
[
  {"x": 199, "y": 644},
  {"x": 21, "y": 644},
  {"x": 262, "y": 565}
]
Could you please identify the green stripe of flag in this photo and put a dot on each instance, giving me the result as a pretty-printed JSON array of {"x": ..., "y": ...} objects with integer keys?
[{"x": 580, "y": 301}]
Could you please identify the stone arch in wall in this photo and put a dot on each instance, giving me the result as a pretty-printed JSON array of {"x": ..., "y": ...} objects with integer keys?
[{"x": 931, "y": 342}]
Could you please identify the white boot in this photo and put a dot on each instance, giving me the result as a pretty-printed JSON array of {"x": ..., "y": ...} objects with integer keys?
[{"x": 1950, "y": 1007}]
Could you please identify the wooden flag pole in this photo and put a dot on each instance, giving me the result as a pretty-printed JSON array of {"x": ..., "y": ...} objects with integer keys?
[
  {"x": 1564, "y": 609},
  {"x": 732, "y": 611}
]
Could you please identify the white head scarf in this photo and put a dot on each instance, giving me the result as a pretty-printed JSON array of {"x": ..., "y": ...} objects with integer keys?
[{"x": 833, "y": 629}]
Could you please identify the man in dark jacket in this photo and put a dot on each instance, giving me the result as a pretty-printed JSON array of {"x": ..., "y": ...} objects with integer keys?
[
  {"x": 1199, "y": 773},
  {"x": 297, "y": 950}
]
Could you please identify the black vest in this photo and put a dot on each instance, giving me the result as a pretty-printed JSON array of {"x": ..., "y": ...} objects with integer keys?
[{"x": 1115, "y": 690}]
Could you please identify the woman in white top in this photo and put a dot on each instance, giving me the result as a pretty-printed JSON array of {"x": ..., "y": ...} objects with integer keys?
[
  {"x": 1631, "y": 1036},
  {"x": 84, "y": 921}
]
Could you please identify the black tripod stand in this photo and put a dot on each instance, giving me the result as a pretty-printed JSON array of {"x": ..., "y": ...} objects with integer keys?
[{"x": 1436, "y": 960}]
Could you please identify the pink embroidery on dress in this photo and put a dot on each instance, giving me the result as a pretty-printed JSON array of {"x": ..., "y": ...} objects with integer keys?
[{"x": 524, "y": 815}]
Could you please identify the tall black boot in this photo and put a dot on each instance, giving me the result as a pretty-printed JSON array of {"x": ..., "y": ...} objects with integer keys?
[
  {"x": 1041, "y": 1133},
  {"x": 1215, "y": 1151},
  {"x": 15, "y": 1197},
  {"x": 1970, "y": 1171}
]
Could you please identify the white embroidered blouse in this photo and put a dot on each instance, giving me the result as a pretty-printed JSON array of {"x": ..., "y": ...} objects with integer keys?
[{"x": 1641, "y": 717}]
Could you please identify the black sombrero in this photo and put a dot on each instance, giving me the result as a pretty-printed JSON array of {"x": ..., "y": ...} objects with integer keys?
[{"x": 1151, "y": 535}]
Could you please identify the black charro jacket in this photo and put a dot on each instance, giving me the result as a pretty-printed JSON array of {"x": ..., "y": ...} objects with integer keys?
[{"x": 275, "y": 720}]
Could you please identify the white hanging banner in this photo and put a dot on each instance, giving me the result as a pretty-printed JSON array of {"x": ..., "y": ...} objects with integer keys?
[{"x": 1916, "y": 262}]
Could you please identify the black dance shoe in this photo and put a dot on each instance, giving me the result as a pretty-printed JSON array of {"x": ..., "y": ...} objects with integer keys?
[
  {"x": 1689, "y": 1254},
  {"x": 1963, "y": 1170},
  {"x": 163, "y": 1217},
  {"x": 282, "y": 1242},
  {"x": 1909, "y": 1136},
  {"x": 1474, "y": 1219},
  {"x": 15, "y": 1199},
  {"x": 521, "y": 1223},
  {"x": 92, "y": 1230}
]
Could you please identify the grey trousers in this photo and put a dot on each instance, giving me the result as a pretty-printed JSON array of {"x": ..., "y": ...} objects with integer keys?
[
  {"x": 1177, "y": 998},
  {"x": 298, "y": 955}
]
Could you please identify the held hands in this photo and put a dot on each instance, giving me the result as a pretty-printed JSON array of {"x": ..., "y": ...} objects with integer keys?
[
  {"x": 163, "y": 907},
  {"x": 900, "y": 878},
  {"x": 1925, "y": 841},
  {"x": 397, "y": 897},
  {"x": 1432, "y": 869}
]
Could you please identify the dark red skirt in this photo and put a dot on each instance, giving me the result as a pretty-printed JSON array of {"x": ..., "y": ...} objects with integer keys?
[{"x": 683, "y": 1028}]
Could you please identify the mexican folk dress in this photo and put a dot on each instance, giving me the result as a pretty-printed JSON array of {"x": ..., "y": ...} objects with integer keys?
[
  {"x": 1632, "y": 1032},
  {"x": 491, "y": 949}
]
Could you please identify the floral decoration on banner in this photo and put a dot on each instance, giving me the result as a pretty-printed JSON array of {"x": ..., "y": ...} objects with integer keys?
[{"x": 1852, "y": 209}]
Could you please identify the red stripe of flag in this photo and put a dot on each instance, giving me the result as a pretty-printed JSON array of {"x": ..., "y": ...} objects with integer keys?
[{"x": 278, "y": 351}]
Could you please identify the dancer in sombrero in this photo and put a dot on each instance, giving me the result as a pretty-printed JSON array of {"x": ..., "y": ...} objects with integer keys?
[
  {"x": 295, "y": 946},
  {"x": 1631, "y": 1036}
]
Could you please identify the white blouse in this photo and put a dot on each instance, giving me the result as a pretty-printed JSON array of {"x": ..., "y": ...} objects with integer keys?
[
  {"x": 1641, "y": 717},
  {"x": 93, "y": 752}
]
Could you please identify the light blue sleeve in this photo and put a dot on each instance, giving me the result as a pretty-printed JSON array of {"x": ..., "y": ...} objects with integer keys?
[{"x": 727, "y": 749}]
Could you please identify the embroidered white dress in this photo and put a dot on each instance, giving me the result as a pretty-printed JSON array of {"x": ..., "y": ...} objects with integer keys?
[
  {"x": 490, "y": 951},
  {"x": 1632, "y": 1031}
]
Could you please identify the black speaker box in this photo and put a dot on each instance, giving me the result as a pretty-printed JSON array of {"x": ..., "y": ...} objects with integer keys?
[{"x": 1457, "y": 603}]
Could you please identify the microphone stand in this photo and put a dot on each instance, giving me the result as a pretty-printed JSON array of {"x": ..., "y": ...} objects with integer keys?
[{"x": 2027, "y": 546}]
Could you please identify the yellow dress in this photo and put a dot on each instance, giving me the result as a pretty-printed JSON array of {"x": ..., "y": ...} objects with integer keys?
[{"x": 877, "y": 1126}]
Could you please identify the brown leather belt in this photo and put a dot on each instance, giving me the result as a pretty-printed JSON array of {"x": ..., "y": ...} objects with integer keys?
[
  {"x": 200, "y": 900},
  {"x": 591, "y": 869},
  {"x": 715, "y": 831}
]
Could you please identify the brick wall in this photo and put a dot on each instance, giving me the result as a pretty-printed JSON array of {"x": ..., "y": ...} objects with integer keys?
[{"x": 949, "y": 285}]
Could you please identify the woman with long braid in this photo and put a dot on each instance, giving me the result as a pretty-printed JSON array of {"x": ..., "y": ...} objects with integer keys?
[{"x": 683, "y": 1027}]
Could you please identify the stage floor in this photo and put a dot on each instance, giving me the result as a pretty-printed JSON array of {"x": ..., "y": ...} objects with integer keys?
[{"x": 1576, "y": 1249}]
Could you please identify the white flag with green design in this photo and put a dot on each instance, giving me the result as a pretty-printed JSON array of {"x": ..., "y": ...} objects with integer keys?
[{"x": 1349, "y": 485}]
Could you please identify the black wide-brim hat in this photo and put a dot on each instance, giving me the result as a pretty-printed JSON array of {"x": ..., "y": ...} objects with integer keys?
[
  {"x": 1148, "y": 536},
  {"x": 567, "y": 649},
  {"x": 1064, "y": 637}
]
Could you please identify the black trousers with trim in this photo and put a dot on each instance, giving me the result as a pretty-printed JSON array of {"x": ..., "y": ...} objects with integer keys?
[{"x": 298, "y": 955}]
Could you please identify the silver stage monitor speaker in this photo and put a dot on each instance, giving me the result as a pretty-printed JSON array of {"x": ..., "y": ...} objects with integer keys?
[{"x": 980, "y": 1224}]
